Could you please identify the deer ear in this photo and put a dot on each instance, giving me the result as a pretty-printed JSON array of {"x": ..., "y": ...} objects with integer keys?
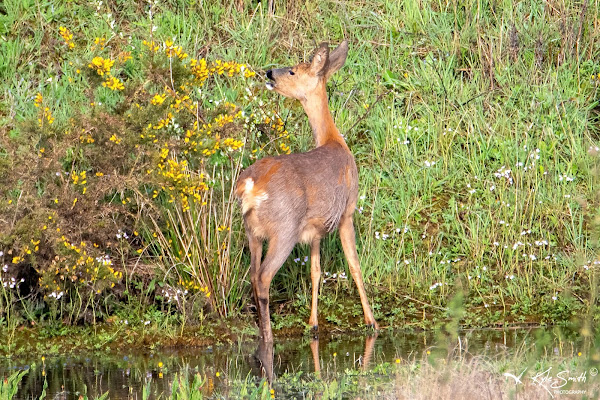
[
  {"x": 337, "y": 58},
  {"x": 320, "y": 58}
]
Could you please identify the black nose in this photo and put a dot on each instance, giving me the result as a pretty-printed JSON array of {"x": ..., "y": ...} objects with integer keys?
[{"x": 270, "y": 74}]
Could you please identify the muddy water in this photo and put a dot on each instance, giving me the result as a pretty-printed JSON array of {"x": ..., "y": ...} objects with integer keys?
[{"x": 124, "y": 376}]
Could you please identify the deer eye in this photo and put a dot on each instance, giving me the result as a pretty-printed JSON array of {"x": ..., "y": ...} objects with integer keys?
[{"x": 292, "y": 72}]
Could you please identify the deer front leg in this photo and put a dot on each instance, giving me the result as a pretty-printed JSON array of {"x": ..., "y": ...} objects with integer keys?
[
  {"x": 264, "y": 354},
  {"x": 315, "y": 276},
  {"x": 348, "y": 239},
  {"x": 314, "y": 349}
]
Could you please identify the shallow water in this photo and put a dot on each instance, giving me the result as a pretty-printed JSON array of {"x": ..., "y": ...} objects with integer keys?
[{"x": 125, "y": 375}]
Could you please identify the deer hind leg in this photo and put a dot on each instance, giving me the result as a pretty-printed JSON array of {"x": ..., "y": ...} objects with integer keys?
[
  {"x": 279, "y": 250},
  {"x": 348, "y": 239},
  {"x": 255, "y": 245},
  {"x": 315, "y": 276}
]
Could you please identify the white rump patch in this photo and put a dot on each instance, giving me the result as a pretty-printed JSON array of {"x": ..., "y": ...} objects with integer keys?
[
  {"x": 249, "y": 198},
  {"x": 249, "y": 184}
]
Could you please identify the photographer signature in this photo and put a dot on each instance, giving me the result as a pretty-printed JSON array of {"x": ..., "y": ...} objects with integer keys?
[{"x": 554, "y": 382}]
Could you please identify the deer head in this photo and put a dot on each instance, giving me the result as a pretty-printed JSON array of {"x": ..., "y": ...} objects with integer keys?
[{"x": 301, "y": 81}]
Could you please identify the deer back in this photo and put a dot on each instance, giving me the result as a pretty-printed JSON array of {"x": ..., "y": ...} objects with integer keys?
[{"x": 303, "y": 194}]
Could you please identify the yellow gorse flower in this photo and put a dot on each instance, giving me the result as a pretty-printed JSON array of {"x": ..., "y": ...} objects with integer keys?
[
  {"x": 233, "y": 144},
  {"x": 115, "y": 139},
  {"x": 46, "y": 115},
  {"x": 158, "y": 99},
  {"x": 174, "y": 51},
  {"x": 67, "y": 37},
  {"x": 38, "y": 99},
  {"x": 152, "y": 46},
  {"x": 286, "y": 149},
  {"x": 101, "y": 65},
  {"x": 113, "y": 83},
  {"x": 199, "y": 69},
  {"x": 99, "y": 42}
]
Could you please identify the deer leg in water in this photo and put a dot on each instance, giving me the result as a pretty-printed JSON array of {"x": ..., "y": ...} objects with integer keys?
[{"x": 348, "y": 238}]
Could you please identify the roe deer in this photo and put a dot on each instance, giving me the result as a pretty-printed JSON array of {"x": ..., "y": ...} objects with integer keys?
[{"x": 301, "y": 197}]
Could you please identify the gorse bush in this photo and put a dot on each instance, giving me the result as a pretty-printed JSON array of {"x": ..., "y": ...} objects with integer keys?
[{"x": 130, "y": 173}]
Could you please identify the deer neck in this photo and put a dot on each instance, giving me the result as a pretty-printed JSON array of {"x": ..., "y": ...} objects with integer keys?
[{"x": 317, "y": 109}]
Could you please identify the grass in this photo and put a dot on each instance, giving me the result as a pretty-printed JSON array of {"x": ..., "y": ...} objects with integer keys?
[{"x": 474, "y": 126}]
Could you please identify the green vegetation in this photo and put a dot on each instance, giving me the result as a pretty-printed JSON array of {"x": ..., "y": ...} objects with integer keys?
[{"x": 124, "y": 124}]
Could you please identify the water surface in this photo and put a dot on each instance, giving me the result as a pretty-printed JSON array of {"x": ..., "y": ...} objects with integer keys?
[{"x": 124, "y": 376}]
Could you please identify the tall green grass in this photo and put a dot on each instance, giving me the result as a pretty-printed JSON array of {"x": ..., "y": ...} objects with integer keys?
[{"x": 474, "y": 126}]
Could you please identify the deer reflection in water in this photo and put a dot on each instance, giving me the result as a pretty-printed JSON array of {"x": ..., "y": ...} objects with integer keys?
[{"x": 265, "y": 357}]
